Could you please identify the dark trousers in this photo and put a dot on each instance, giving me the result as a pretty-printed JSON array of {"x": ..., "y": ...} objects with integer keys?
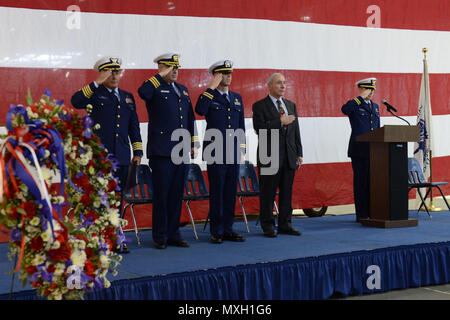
[
  {"x": 222, "y": 197},
  {"x": 121, "y": 174},
  {"x": 361, "y": 186},
  {"x": 168, "y": 188},
  {"x": 268, "y": 184}
]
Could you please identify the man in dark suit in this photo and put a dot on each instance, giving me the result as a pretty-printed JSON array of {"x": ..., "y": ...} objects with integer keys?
[
  {"x": 169, "y": 109},
  {"x": 364, "y": 116},
  {"x": 115, "y": 111},
  {"x": 276, "y": 117}
]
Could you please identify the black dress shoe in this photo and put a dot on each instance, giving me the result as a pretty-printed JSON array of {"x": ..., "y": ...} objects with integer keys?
[
  {"x": 160, "y": 245},
  {"x": 216, "y": 239},
  {"x": 179, "y": 243},
  {"x": 270, "y": 234},
  {"x": 290, "y": 231},
  {"x": 233, "y": 237}
]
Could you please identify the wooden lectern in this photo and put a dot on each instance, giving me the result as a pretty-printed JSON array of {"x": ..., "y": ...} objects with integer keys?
[{"x": 389, "y": 175}]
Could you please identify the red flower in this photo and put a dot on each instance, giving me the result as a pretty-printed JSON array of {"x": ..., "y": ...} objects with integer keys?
[
  {"x": 31, "y": 269},
  {"x": 61, "y": 254},
  {"x": 29, "y": 208},
  {"x": 89, "y": 252},
  {"x": 37, "y": 243},
  {"x": 85, "y": 199},
  {"x": 89, "y": 268},
  {"x": 91, "y": 214},
  {"x": 51, "y": 268},
  {"x": 112, "y": 185},
  {"x": 13, "y": 215}
]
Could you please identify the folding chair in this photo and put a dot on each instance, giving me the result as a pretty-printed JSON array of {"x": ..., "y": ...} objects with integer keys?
[
  {"x": 416, "y": 180},
  {"x": 142, "y": 193},
  {"x": 248, "y": 186},
  {"x": 196, "y": 190}
]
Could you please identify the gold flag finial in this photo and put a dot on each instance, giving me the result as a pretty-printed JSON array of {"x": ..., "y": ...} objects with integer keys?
[{"x": 425, "y": 50}]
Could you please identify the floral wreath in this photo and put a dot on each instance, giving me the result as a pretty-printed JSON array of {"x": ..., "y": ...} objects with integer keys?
[{"x": 62, "y": 254}]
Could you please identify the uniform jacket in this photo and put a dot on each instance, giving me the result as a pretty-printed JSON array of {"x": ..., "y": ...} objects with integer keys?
[
  {"x": 223, "y": 114},
  {"x": 266, "y": 116},
  {"x": 166, "y": 113},
  {"x": 363, "y": 119},
  {"x": 118, "y": 120}
]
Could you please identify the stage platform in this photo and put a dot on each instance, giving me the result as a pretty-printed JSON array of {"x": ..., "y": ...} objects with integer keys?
[{"x": 334, "y": 254}]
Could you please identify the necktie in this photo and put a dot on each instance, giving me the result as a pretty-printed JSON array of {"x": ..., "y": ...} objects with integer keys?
[
  {"x": 281, "y": 110},
  {"x": 175, "y": 89},
  {"x": 225, "y": 95},
  {"x": 280, "y": 107}
]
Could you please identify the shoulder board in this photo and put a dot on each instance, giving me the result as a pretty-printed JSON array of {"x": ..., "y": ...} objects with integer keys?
[
  {"x": 155, "y": 82},
  {"x": 208, "y": 95},
  {"x": 357, "y": 101}
]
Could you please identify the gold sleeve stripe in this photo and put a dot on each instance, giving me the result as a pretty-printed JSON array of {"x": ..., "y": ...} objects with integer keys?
[
  {"x": 195, "y": 139},
  {"x": 208, "y": 95},
  {"x": 155, "y": 82},
  {"x": 357, "y": 101},
  {"x": 243, "y": 145},
  {"x": 87, "y": 91},
  {"x": 137, "y": 146}
]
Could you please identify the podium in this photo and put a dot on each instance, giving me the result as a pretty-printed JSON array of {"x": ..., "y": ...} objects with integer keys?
[{"x": 389, "y": 175}]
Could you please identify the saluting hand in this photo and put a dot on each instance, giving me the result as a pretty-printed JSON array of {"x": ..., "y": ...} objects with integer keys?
[
  {"x": 103, "y": 75},
  {"x": 165, "y": 72},
  {"x": 215, "y": 81}
]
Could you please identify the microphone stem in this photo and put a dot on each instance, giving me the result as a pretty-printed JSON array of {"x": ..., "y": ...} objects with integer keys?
[{"x": 398, "y": 117}]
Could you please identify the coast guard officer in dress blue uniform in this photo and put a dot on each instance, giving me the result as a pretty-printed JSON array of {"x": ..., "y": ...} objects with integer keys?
[
  {"x": 169, "y": 108},
  {"x": 224, "y": 112},
  {"x": 115, "y": 111},
  {"x": 364, "y": 116}
]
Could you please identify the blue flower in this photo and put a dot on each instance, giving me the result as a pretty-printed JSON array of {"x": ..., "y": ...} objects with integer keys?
[{"x": 48, "y": 93}]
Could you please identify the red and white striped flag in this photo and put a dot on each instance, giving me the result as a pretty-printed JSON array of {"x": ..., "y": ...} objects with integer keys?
[{"x": 322, "y": 47}]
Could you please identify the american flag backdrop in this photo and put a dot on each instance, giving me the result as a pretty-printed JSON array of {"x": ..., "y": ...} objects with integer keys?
[{"x": 322, "y": 47}]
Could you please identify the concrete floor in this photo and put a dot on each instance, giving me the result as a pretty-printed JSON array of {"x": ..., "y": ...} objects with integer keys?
[{"x": 441, "y": 292}]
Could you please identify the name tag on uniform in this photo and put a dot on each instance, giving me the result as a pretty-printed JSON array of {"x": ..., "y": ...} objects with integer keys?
[
  {"x": 102, "y": 97},
  {"x": 165, "y": 91}
]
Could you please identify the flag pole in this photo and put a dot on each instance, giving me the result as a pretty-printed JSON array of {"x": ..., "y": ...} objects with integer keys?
[{"x": 432, "y": 206}]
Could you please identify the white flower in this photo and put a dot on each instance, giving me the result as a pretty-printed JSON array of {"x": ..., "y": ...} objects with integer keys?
[
  {"x": 114, "y": 219},
  {"x": 38, "y": 259},
  {"x": 35, "y": 221},
  {"x": 104, "y": 260},
  {"x": 78, "y": 258},
  {"x": 60, "y": 268},
  {"x": 56, "y": 245}
]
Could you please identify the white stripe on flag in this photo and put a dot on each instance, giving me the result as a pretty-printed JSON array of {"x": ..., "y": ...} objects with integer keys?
[{"x": 41, "y": 39}]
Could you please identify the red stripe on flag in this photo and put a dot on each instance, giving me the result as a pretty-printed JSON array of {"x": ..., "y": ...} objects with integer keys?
[
  {"x": 316, "y": 93},
  {"x": 397, "y": 14}
]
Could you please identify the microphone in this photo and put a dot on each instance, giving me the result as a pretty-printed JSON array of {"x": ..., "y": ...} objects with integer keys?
[{"x": 389, "y": 107}]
